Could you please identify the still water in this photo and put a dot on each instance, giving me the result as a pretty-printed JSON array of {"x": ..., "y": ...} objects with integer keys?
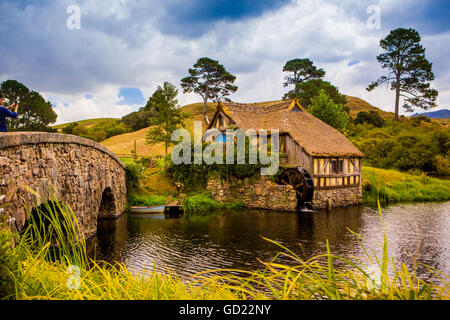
[{"x": 234, "y": 240}]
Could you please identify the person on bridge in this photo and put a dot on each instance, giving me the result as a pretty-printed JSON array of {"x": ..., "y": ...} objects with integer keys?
[{"x": 6, "y": 113}]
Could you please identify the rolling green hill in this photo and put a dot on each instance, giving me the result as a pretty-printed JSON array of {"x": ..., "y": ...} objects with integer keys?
[
  {"x": 87, "y": 123},
  {"x": 124, "y": 143}
]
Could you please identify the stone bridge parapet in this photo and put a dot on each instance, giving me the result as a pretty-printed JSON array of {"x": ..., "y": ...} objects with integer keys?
[{"x": 81, "y": 173}]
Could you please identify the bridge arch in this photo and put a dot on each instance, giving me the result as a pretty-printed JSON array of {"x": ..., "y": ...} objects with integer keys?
[{"x": 80, "y": 172}]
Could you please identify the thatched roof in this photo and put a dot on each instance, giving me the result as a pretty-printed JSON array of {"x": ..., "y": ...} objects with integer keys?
[{"x": 316, "y": 137}]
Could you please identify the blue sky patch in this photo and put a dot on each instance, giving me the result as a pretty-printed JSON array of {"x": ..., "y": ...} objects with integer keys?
[{"x": 132, "y": 96}]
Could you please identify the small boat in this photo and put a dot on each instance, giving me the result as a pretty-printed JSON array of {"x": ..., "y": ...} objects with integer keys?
[{"x": 153, "y": 209}]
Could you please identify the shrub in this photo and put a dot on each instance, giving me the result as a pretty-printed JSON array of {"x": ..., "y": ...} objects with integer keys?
[
  {"x": 195, "y": 176},
  {"x": 69, "y": 129},
  {"x": 419, "y": 119},
  {"x": 371, "y": 117},
  {"x": 442, "y": 165},
  {"x": 135, "y": 174},
  {"x": 200, "y": 203},
  {"x": 401, "y": 145}
]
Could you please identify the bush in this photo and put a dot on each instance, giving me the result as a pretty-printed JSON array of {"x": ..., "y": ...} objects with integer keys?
[
  {"x": 201, "y": 203},
  {"x": 402, "y": 145},
  {"x": 69, "y": 129},
  {"x": 137, "y": 120},
  {"x": 442, "y": 165},
  {"x": 195, "y": 176},
  {"x": 371, "y": 117},
  {"x": 135, "y": 174},
  {"x": 419, "y": 119}
]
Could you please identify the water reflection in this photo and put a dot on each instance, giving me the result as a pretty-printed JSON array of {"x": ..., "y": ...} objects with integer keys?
[{"x": 234, "y": 240}]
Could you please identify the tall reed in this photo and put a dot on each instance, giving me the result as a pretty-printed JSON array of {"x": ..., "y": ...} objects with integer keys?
[{"x": 53, "y": 227}]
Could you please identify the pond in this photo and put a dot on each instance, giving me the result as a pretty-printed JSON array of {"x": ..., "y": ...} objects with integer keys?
[{"x": 235, "y": 240}]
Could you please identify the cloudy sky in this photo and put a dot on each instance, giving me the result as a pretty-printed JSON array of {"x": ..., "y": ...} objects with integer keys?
[{"x": 124, "y": 49}]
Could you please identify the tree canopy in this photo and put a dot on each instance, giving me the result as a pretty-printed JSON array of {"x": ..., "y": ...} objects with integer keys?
[
  {"x": 210, "y": 80},
  {"x": 335, "y": 115},
  {"x": 302, "y": 70},
  {"x": 410, "y": 72},
  {"x": 169, "y": 117},
  {"x": 35, "y": 114},
  {"x": 311, "y": 88}
]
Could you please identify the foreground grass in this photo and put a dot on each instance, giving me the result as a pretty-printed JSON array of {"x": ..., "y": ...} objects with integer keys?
[
  {"x": 394, "y": 186},
  {"x": 30, "y": 275}
]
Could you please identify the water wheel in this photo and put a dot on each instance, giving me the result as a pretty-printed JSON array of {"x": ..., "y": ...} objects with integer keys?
[{"x": 302, "y": 183}]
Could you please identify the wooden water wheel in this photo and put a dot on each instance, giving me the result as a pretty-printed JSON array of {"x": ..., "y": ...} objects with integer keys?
[{"x": 302, "y": 183}]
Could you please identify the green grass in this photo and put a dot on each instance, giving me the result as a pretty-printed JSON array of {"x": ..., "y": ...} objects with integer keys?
[
  {"x": 29, "y": 271},
  {"x": 146, "y": 200},
  {"x": 394, "y": 186},
  {"x": 203, "y": 204}
]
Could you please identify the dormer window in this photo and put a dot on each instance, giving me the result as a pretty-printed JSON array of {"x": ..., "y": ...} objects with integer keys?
[
  {"x": 222, "y": 138},
  {"x": 296, "y": 109}
]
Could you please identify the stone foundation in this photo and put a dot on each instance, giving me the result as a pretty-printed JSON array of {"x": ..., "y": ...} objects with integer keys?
[
  {"x": 338, "y": 197},
  {"x": 266, "y": 194},
  {"x": 262, "y": 194}
]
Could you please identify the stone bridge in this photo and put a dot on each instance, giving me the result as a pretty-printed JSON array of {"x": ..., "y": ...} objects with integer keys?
[{"x": 80, "y": 172}]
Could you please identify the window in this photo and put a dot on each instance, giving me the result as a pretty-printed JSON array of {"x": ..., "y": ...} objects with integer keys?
[
  {"x": 221, "y": 138},
  {"x": 337, "y": 166}
]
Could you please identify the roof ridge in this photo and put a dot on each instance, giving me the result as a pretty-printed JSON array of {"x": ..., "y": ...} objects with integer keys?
[{"x": 254, "y": 108}]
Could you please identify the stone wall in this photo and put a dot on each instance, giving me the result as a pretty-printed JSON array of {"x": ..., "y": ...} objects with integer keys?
[
  {"x": 338, "y": 197},
  {"x": 84, "y": 174},
  {"x": 265, "y": 194},
  {"x": 262, "y": 193}
]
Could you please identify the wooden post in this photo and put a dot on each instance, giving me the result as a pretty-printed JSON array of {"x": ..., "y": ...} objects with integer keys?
[
  {"x": 135, "y": 152},
  {"x": 328, "y": 205}
]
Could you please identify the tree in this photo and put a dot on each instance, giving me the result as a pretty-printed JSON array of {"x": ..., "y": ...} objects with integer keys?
[
  {"x": 169, "y": 116},
  {"x": 311, "y": 88},
  {"x": 303, "y": 70},
  {"x": 410, "y": 72},
  {"x": 35, "y": 114},
  {"x": 210, "y": 80},
  {"x": 137, "y": 120},
  {"x": 325, "y": 109}
]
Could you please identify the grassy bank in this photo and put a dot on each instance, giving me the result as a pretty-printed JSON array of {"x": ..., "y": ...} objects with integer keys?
[
  {"x": 394, "y": 186},
  {"x": 203, "y": 204}
]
